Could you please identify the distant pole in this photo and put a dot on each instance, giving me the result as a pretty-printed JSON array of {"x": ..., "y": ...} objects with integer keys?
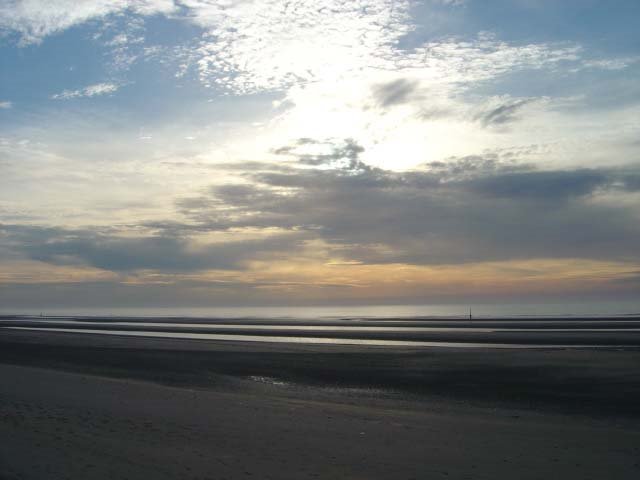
[{"x": 470, "y": 316}]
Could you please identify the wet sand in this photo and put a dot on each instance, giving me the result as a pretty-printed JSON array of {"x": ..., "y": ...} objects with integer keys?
[{"x": 89, "y": 406}]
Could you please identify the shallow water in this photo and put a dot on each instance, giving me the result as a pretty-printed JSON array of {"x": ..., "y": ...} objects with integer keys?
[
  {"x": 311, "y": 340},
  {"x": 456, "y": 326}
]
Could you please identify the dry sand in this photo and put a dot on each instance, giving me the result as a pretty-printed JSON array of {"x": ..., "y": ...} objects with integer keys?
[{"x": 83, "y": 406}]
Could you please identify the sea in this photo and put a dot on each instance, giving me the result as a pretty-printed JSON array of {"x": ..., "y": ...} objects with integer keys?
[{"x": 512, "y": 310}]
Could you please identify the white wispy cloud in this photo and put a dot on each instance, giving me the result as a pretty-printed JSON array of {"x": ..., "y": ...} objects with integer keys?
[
  {"x": 455, "y": 3},
  {"x": 124, "y": 38},
  {"x": 253, "y": 46},
  {"x": 6, "y": 104},
  {"x": 257, "y": 46},
  {"x": 89, "y": 91},
  {"x": 34, "y": 20},
  {"x": 611, "y": 63},
  {"x": 483, "y": 58}
]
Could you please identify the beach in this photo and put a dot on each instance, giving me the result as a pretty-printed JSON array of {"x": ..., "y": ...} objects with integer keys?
[{"x": 82, "y": 405}]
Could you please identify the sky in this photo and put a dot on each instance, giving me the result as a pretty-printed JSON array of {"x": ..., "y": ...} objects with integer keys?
[{"x": 244, "y": 152}]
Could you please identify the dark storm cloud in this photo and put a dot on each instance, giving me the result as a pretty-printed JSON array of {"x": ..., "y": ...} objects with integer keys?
[
  {"x": 503, "y": 114},
  {"x": 631, "y": 182},
  {"x": 468, "y": 209},
  {"x": 109, "y": 251},
  {"x": 396, "y": 92},
  {"x": 541, "y": 186}
]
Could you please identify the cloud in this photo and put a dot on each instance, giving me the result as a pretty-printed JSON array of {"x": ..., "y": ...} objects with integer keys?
[
  {"x": 321, "y": 220},
  {"x": 33, "y": 20},
  {"x": 89, "y": 91},
  {"x": 255, "y": 46},
  {"x": 110, "y": 250},
  {"x": 455, "y": 3},
  {"x": 252, "y": 46},
  {"x": 464, "y": 210},
  {"x": 631, "y": 181},
  {"x": 427, "y": 102},
  {"x": 4, "y": 105},
  {"x": 484, "y": 57},
  {"x": 342, "y": 156},
  {"x": 396, "y": 92},
  {"x": 506, "y": 111},
  {"x": 611, "y": 63},
  {"x": 543, "y": 185}
]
